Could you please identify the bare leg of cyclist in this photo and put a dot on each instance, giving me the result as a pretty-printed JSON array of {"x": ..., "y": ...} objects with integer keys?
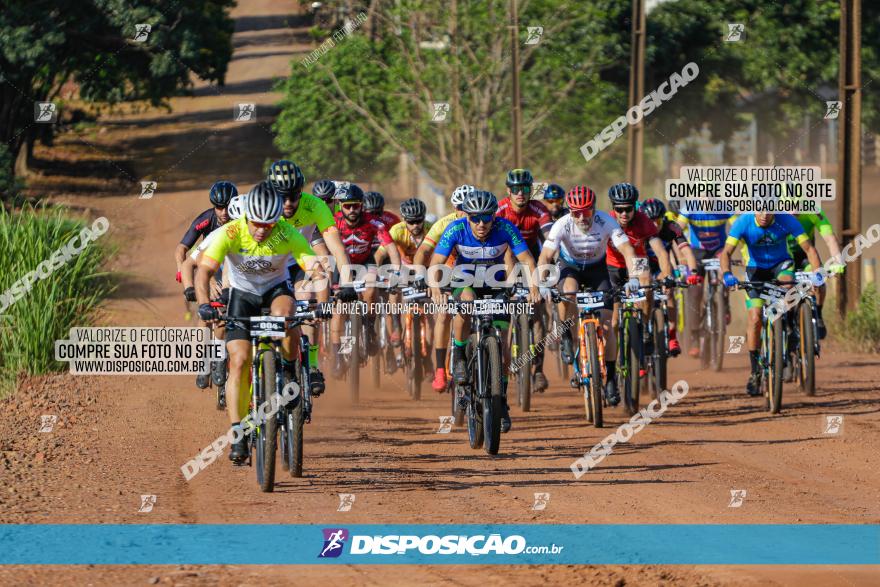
[
  {"x": 567, "y": 313},
  {"x": 461, "y": 328},
  {"x": 753, "y": 343},
  {"x": 304, "y": 290},
  {"x": 238, "y": 387}
]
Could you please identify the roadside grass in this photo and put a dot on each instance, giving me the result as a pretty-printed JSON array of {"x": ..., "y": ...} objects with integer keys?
[
  {"x": 68, "y": 297},
  {"x": 860, "y": 329}
]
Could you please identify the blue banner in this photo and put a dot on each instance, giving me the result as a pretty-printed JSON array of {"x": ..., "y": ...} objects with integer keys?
[{"x": 636, "y": 544}]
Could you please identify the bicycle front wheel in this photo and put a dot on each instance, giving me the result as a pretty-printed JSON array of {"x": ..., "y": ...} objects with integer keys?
[
  {"x": 593, "y": 389},
  {"x": 629, "y": 351},
  {"x": 268, "y": 430},
  {"x": 524, "y": 372},
  {"x": 775, "y": 362},
  {"x": 659, "y": 355},
  {"x": 491, "y": 396}
]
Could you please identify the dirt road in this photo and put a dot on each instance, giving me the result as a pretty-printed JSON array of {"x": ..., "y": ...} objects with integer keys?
[{"x": 118, "y": 438}]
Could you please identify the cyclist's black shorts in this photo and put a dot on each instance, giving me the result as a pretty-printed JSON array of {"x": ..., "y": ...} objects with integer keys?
[
  {"x": 242, "y": 303},
  {"x": 701, "y": 254},
  {"x": 758, "y": 274},
  {"x": 618, "y": 276},
  {"x": 800, "y": 259},
  {"x": 594, "y": 277}
]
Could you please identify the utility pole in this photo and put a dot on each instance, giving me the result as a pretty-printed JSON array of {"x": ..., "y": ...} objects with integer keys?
[
  {"x": 517, "y": 108},
  {"x": 849, "y": 146},
  {"x": 636, "y": 136}
]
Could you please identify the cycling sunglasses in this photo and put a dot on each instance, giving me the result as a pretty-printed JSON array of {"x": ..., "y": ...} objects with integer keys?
[
  {"x": 582, "y": 213},
  {"x": 481, "y": 218},
  {"x": 624, "y": 209},
  {"x": 352, "y": 206},
  {"x": 524, "y": 189},
  {"x": 263, "y": 225},
  {"x": 414, "y": 221}
]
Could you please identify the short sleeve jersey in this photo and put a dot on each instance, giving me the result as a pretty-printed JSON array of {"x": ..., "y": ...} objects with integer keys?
[
  {"x": 766, "y": 246},
  {"x": 204, "y": 224},
  {"x": 707, "y": 231},
  {"x": 459, "y": 237},
  {"x": 530, "y": 221},
  {"x": 405, "y": 241},
  {"x": 810, "y": 222},
  {"x": 312, "y": 211},
  {"x": 577, "y": 247},
  {"x": 358, "y": 239},
  {"x": 639, "y": 230},
  {"x": 433, "y": 236},
  {"x": 257, "y": 267}
]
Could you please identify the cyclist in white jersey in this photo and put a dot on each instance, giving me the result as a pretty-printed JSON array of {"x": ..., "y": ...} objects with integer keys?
[{"x": 580, "y": 239}]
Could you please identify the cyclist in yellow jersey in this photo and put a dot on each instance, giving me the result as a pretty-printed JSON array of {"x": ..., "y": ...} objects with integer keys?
[
  {"x": 255, "y": 249},
  {"x": 422, "y": 257}
]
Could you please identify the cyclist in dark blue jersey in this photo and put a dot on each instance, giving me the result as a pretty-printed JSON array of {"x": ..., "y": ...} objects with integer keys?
[
  {"x": 765, "y": 237},
  {"x": 481, "y": 239}
]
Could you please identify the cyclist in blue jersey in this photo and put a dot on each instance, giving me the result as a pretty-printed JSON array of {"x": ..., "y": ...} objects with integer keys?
[
  {"x": 481, "y": 239},
  {"x": 765, "y": 237},
  {"x": 706, "y": 236}
]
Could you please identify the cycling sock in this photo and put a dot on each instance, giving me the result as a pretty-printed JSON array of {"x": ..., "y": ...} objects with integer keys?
[
  {"x": 313, "y": 355},
  {"x": 459, "y": 343},
  {"x": 672, "y": 332},
  {"x": 609, "y": 369},
  {"x": 753, "y": 359},
  {"x": 441, "y": 358}
]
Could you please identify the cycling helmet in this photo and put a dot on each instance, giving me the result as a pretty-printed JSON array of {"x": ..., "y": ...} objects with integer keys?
[
  {"x": 413, "y": 210},
  {"x": 286, "y": 177},
  {"x": 460, "y": 193},
  {"x": 480, "y": 202},
  {"x": 222, "y": 192},
  {"x": 432, "y": 218},
  {"x": 623, "y": 193},
  {"x": 263, "y": 203},
  {"x": 675, "y": 207},
  {"x": 554, "y": 192},
  {"x": 324, "y": 189},
  {"x": 580, "y": 197},
  {"x": 519, "y": 177},
  {"x": 654, "y": 208},
  {"x": 374, "y": 202},
  {"x": 237, "y": 207},
  {"x": 348, "y": 192}
]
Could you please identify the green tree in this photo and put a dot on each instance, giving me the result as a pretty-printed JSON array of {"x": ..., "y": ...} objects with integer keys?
[{"x": 46, "y": 44}]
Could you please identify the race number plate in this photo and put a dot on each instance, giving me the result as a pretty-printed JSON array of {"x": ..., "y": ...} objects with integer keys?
[
  {"x": 271, "y": 326},
  {"x": 713, "y": 263},
  {"x": 804, "y": 277},
  {"x": 771, "y": 293},
  {"x": 591, "y": 300},
  {"x": 660, "y": 296},
  {"x": 639, "y": 296},
  {"x": 488, "y": 307}
]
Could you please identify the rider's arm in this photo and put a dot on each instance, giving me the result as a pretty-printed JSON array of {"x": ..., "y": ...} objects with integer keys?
[
  {"x": 186, "y": 270},
  {"x": 687, "y": 253},
  {"x": 827, "y": 234},
  {"x": 387, "y": 243},
  {"x": 794, "y": 228},
  {"x": 207, "y": 268},
  {"x": 337, "y": 249},
  {"x": 729, "y": 248},
  {"x": 812, "y": 253},
  {"x": 180, "y": 256},
  {"x": 660, "y": 251}
]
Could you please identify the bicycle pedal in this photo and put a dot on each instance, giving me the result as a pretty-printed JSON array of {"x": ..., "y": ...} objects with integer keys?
[{"x": 573, "y": 382}]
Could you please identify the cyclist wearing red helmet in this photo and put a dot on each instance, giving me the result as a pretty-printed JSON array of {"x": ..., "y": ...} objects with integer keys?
[{"x": 580, "y": 240}]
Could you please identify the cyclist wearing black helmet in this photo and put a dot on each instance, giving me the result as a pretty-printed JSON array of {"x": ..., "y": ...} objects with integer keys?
[
  {"x": 374, "y": 203},
  {"x": 677, "y": 247},
  {"x": 554, "y": 200},
  {"x": 641, "y": 232}
]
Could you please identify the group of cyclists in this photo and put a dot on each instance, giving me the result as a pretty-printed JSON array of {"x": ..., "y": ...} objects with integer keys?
[{"x": 277, "y": 244}]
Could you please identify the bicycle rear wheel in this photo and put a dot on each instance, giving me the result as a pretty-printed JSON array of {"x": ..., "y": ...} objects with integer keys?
[
  {"x": 524, "y": 372},
  {"x": 268, "y": 430},
  {"x": 719, "y": 331},
  {"x": 593, "y": 390},
  {"x": 354, "y": 360},
  {"x": 807, "y": 378},
  {"x": 775, "y": 362},
  {"x": 659, "y": 354},
  {"x": 493, "y": 402}
]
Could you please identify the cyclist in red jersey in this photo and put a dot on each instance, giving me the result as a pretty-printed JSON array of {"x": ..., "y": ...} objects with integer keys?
[
  {"x": 533, "y": 220},
  {"x": 358, "y": 231},
  {"x": 374, "y": 203},
  {"x": 641, "y": 230}
]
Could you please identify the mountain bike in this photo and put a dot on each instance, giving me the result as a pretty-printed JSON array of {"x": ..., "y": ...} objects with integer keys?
[
  {"x": 713, "y": 329},
  {"x": 630, "y": 351},
  {"x": 774, "y": 342},
  {"x": 522, "y": 349},
  {"x": 588, "y": 360},
  {"x": 416, "y": 346},
  {"x": 657, "y": 340},
  {"x": 482, "y": 396},
  {"x": 267, "y": 382},
  {"x": 804, "y": 342}
]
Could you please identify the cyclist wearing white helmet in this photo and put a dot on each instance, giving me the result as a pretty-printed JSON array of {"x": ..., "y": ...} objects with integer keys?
[{"x": 422, "y": 256}]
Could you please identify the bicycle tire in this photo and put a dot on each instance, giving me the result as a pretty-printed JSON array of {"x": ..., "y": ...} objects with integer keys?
[
  {"x": 493, "y": 404},
  {"x": 354, "y": 361},
  {"x": 376, "y": 360},
  {"x": 716, "y": 359},
  {"x": 660, "y": 354},
  {"x": 775, "y": 362},
  {"x": 268, "y": 430},
  {"x": 630, "y": 373},
  {"x": 473, "y": 412},
  {"x": 416, "y": 360},
  {"x": 807, "y": 349},
  {"x": 524, "y": 372},
  {"x": 594, "y": 371}
]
